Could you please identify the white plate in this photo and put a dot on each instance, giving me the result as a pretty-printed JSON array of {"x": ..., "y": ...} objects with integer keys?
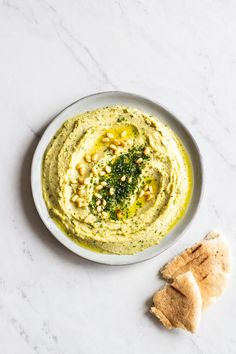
[{"x": 107, "y": 99}]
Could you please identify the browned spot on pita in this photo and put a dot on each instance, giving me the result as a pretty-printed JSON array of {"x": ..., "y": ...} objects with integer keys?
[
  {"x": 178, "y": 291},
  {"x": 205, "y": 276},
  {"x": 196, "y": 248},
  {"x": 203, "y": 260}
]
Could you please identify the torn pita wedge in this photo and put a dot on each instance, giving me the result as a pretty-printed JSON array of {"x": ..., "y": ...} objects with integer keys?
[
  {"x": 179, "y": 304},
  {"x": 209, "y": 261}
]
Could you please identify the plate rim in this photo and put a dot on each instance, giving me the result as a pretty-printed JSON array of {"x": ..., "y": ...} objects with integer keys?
[{"x": 71, "y": 245}]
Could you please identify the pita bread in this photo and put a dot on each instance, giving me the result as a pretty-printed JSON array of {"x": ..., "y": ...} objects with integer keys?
[
  {"x": 209, "y": 261},
  {"x": 179, "y": 304}
]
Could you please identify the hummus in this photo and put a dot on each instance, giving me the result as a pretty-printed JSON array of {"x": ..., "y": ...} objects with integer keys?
[{"x": 116, "y": 180}]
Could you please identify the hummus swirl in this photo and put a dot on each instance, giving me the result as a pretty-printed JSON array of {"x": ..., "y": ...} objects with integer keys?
[{"x": 116, "y": 179}]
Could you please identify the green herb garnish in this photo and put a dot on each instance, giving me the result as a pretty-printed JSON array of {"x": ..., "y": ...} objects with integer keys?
[{"x": 125, "y": 165}]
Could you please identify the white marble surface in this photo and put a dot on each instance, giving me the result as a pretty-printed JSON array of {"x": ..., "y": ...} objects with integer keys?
[{"x": 181, "y": 53}]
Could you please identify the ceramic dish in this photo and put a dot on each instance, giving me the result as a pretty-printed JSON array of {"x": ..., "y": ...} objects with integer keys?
[{"x": 107, "y": 99}]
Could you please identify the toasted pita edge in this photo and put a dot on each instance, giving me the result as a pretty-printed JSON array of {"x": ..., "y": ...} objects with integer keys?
[{"x": 164, "y": 320}]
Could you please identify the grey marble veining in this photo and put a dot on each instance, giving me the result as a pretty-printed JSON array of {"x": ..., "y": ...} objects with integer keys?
[{"x": 181, "y": 54}]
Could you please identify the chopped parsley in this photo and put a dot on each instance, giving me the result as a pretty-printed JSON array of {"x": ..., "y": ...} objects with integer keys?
[{"x": 124, "y": 165}]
